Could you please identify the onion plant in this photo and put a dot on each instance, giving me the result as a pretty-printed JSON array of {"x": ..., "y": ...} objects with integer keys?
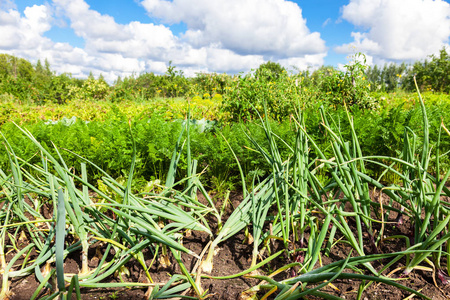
[
  {"x": 132, "y": 226},
  {"x": 298, "y": 193},
  {"x": 290, "y": 204},
  {"x": 311, "y": 283},
  {"x": 421, "y": 196},
  {"x": 346, "y": 166},
  {"x": 289, "y": 194}
]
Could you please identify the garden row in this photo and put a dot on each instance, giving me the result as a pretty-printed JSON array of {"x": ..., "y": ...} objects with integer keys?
[
  {"x": 305, "y": 235},
  {"x": 102, "y": 133}
]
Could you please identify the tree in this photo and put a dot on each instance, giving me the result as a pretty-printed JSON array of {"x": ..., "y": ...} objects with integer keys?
[
  {"x": 15, "y": 67},
  {"x": 270, "y": 70},
  {"x": 374, "y": 76},
  {"x": 39, "y": 68},
  {"x": 47, "y": 70},
  {"x": 433, "y": 74},
  {"x": 43, "y": 73},
  {"x": 173, "y": 83},
  {"x": 58, "y": 88},
  {"x": 101, "y": 78}
]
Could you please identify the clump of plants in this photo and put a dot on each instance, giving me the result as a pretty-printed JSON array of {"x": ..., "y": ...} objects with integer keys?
[
  {"x": 349, "y": 87},
  {"x": 267, "y": 86}
]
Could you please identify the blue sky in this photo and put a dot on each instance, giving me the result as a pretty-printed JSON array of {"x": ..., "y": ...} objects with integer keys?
[{"x": 126, "y": 37}]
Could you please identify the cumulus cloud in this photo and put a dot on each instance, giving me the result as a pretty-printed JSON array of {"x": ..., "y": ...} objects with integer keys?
[
  {"x": 103, "y": 35},
  {"x": 24, "y": 32},
  {"x": 7, "y": 5},
  {"x": 275, "y": 28},
  {"x": 311, "y": 62},
  {"x": 398, "y": 30},
  {"x": 224, "y": 59},
  {"x": 23, "y": 36},
  {"x": 221, "y": 36}
]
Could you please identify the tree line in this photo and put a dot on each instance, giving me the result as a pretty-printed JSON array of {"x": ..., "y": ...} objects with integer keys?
[{"x": 20, "y": 80}]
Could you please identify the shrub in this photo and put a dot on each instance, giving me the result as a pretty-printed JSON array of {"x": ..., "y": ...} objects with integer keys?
[
  {"x": 349, "y": 87},
  {"x": 248, "y": 94},
  {"x": 91, "y": 89}
]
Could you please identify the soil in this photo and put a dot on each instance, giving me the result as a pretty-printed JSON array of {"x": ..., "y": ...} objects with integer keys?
[{"x": 234, "y": 256}]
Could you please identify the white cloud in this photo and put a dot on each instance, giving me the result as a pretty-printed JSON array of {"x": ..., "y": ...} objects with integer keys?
[
  {"x": 37, "y": 19},
  {"x": 24, "y": 32},
  {"x": 9, "y": 22},
  {"x": 398, "y": 29},
  {"x": 250, "y": 27},
  {"x": 310, "y": 62},
  {"x": 23, "y": 36},
  {"x": 224, "y": 60},
  {"x": 103, "y": 34},
  {"x": 222, "y": 36},
  {"x": 7, "y": 5},
  {"x": 156, "y": 66},
  {"x": 326, "y": 22}
]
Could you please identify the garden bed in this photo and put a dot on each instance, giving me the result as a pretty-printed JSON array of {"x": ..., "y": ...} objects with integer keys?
[{"x": 233, "y": 257}]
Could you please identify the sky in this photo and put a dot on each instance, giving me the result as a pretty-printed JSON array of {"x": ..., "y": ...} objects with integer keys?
[{"x": 130, "y": 37}]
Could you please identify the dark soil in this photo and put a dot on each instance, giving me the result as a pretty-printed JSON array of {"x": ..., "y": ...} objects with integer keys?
[{"x": 234, "y": 256}]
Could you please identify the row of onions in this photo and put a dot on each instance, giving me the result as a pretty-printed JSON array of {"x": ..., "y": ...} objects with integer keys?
[{"x": 290, "y": 206}]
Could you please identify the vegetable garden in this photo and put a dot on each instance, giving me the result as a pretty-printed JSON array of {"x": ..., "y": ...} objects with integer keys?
[{"x": 266, "y": 185}]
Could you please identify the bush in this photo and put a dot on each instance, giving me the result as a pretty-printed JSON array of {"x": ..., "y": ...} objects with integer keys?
[
  {"x": 91, "y": 89},
  {"x": 248, "y": 94},
  {"x": 19, "y": 87},
  {"x": 210, "y": 84},
  {"x": 349, "y": 87}
]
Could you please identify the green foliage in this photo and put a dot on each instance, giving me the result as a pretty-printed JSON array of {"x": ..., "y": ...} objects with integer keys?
[
  {"x": 210, "y": 84},
  {"x": 34, "y": 84},
  {"x": 349, "y": 87},
  {"x": 146, "y": 86},
  {"x": 173, "y": 83},
  {"x": 387, "y": 79},
  {"x": 101, "y": 133},
  {"x": 91, "y": 89},
  {"x": 19, "y": 87},
  {"x": 309, "y": 175},
  {"x": 270, "y": 70},
  {"x": 58, "y": 89},
  {"x": 248, "y": 94},
  {"x": 15, "y": 67},
  {"x": 287, "y": 201},
  {"x": 269, "y": 83},
  {"x": 125, "y": 90},
  {"x": 91, "y": 110},
  {"x": 433, "y": 75},
  {"x": 108, "y": 144}
]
